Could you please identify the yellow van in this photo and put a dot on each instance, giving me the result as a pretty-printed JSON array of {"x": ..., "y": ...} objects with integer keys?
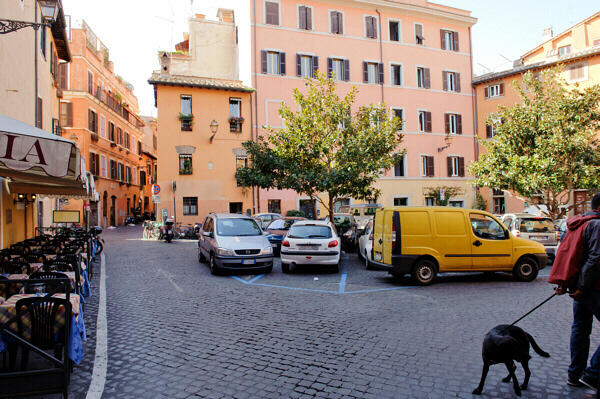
[{"x": 423, "y": 241}]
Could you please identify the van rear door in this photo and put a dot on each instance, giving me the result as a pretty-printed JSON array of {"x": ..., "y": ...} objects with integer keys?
[{"x": 378, "y": 227}]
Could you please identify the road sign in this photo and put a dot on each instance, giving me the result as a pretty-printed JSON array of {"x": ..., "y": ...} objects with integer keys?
[
  {"x": 155, "y": 189},
  {"x": 442, "y": 192},
  {"x": 156, "y": 199}
]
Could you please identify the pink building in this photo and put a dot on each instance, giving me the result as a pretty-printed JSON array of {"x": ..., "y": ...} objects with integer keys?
[{"x": 415, "y": 56}]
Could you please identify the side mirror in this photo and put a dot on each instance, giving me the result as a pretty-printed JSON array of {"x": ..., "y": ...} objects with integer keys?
[{"x": 207, "y": 234}]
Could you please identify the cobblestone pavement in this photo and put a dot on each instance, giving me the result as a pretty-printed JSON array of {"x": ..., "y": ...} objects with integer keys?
[{"x": 176, "y": 331}]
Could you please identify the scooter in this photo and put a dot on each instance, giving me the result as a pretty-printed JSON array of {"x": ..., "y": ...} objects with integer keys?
[
  {"x": 97, "y": 240},
  {"x": 168, "y": 230}
]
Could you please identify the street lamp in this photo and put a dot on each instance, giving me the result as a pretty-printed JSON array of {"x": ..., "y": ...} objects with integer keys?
[
  {"x": 49, "y": 9},
  {"x": 448, "y": 140},
  {"x": 213, "y": 128}
]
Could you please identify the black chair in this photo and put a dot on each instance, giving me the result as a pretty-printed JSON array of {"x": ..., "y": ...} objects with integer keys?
[
  {"x": 43, "y": 319},
  {"x": 7, "y": 254},
  {"x": 44, "y": 287},
  {"x": 22, "y": 248},
  {"x": 50, "y": 248},
  {"x": 15, "y": 267},
  {"x": 58, "y": 265},
  {"x": 35, "y": 257}
]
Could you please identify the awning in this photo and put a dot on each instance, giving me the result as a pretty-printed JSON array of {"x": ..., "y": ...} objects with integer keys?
[
  {"x": 90, "y": 195},
  {"x": 39, "y": 162}
]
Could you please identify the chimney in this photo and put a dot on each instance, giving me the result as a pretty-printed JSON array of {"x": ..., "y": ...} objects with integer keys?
[
  {"x": 547, "y": 34},
  {"x": 225, "y": 15},
  {"x": 200, "y": 16},
  {"x": 165, "y": 64}
]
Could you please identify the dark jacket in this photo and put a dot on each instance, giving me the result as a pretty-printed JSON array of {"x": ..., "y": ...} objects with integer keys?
[{"x": 590, "y": 259}]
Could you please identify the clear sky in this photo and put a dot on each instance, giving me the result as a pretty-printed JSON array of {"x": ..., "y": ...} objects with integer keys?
[{"x": 135, "y": 30}]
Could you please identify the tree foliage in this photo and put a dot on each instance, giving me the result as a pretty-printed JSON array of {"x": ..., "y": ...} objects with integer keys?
[
  {"x": 436, "y": 194},
  {"x": 323, "y": 148},
  {"x": 545, "y": 145}
]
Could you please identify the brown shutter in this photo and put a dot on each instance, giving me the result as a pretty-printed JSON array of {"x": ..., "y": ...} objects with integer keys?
[
  {"x": 430, "y": 168},
  {"x": 488, "y": 131},
  {"x": 418, "y": 31},
  {"x": 298, "y": 65},
  {"x": 97, "y": 122},
  {"x": 282, "y": 63},
  {"x": 445, "y": 80},
  {"x": 459, "y": 124},
  {"x": 39, "y": 119},
  {"x": 330, "y": 67},
  {"x": 373, "y": 19},
  {"x": 263, "y": 60},
  {"x": 340, "y": 23},
  {"x": 334, "y": 22},
  {"x": 315, "y": 65},
  {"x": 63, "y": 76},
  {"x": 369, "y": 32},
  {"x": 461, "y": 167},
  {"x": 70, "y": 114},
  {"x": 501, "y": 89},
  {"x": 346, "y": 70},
  {"x": 455, "y": 36},
  {"x": 428, "y": 128},
  {"x": 427, "y": 78},
  {"x": 90, "y": 121},
  {"x": 302, "y": 12},
  {"x": 443, "y": 38},
  {"x": 457, "y": 82},
  {"x": 52, "y": 71},
  {"x": 486, "y": 92},
  {"x": 447, "y": 123},
  {"x": 308, "y": 18},
  {"x": 365, "y": 72},
  {"x": 449, "y": 161},
  {"x": 381, "y": 81}
]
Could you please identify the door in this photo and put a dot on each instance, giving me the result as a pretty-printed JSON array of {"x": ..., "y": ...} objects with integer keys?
[
  {"x": 205, "y": 241},
  {"x": 491, "y": 244},
  {"x": 235, "y": 207},
  {"x": 378, "y": 235}
]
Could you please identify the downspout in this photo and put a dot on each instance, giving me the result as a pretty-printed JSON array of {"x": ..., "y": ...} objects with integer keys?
[
  {"x": 475, "y": 116},
  {"x": 252, "y": 137},
  {"x": 380, "y": 51},
  {"x": 255, "y": 128},
  {"x": 35, "y": 65}
]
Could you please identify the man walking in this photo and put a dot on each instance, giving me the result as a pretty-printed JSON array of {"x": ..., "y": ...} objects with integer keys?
[{"x": 585, "y": 293}]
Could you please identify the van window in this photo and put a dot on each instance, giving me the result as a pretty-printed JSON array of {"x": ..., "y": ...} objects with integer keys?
[
  {"x": 450, "y": 224},
  {"x": 486, "y": 227},
  {"x": 415, "y": 223}
]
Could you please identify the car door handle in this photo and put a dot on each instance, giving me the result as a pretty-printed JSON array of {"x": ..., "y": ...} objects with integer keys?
[{"x": 477, "y": 243}]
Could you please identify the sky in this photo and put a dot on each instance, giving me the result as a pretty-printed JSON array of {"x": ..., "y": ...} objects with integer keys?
[{"x": 136, "y": 30}]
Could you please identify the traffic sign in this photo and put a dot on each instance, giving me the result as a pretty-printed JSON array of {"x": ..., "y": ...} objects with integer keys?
[
  {"x": 155, "y": 189},
  {"x": 156, "y": 199},
  {"x": 442, "y": 192}
]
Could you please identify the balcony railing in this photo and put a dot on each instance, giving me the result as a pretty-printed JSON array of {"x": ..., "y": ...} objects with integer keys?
[{"x": 116, "y": 105}]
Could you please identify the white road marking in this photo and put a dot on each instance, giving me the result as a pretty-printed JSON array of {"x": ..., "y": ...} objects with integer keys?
[
  {"x": 168, "y": 276},
  {"x": 101, "y": 360}
]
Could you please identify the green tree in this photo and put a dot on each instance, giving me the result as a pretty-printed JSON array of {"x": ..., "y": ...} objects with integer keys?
[
  {"x": 546, "y": 145},
  {"x": 323, "y": 148},
  {"x": 449, "y": 192}
]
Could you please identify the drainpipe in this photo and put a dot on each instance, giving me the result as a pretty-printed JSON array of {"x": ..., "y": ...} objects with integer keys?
[
  {"x": 475, "y": 116},
  {"x": 380, "y": 51},
  {"x": 256, "y": 95},
  {"x": 252, "y": 136}
]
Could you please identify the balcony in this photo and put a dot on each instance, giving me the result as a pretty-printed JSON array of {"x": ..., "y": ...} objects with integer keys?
[
  {"x": 187, "y": 171},
  {"x": 235, "y": 124},
  {"x": 95, "y": 137},
  {"x": 114, "y": 102},
  {"x": 187, "y": 121}
]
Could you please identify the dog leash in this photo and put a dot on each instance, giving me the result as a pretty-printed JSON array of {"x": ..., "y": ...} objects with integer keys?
[{"x": 528, "y": 313}]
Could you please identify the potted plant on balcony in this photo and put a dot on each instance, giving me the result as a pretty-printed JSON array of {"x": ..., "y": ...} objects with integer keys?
[
  {"x": 187, "y": 118},
  {"x": 95, "y": 136},
  {"x": 236, "y": 119},
  {"x": 235, "y": 123},
  {"x": 187, "y": 167}
]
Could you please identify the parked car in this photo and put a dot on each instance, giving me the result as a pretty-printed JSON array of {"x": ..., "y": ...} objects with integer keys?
[
  {"x": 561, "y": 225},
  {"x": 277, "y": 230},
  {"x": 537, "y": 228},
  {"x": 362, "y": 214},
  {"x": 264, "y": 219},
  {"x": 311, "y": 242},
  {"x": 365, "y": 245},
  {"x": 234, "y": 243},
  {"x": 346, "y": 227},
  {"x": 423, "y": 241}
]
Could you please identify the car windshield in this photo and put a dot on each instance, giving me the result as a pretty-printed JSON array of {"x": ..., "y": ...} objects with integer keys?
[
  {"x": 538, "y": 225},
  {"x": 308, "y": 231},
  {"x": 237, "y": 227},
  {"x": 281, "y": 224},
  {"x": 342, "y": 221}
]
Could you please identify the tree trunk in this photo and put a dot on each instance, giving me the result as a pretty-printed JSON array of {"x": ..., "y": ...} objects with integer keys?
[{"x": 331, "y": 209}]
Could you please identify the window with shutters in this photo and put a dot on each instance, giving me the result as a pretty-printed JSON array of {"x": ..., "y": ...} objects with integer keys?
[
  {"x": 336, "y": 22},
  {"x": 102, "y": 126},
  {"x": 423, "y": 78},
  {"x": 338, "y": 69},
  {"x": 394, "y": 31},
  {"x": 90, "y": 83},
  {"x": 92, "y": 121},
  {"x": 102, "y": 166},
  {"x": 43, "y": 30},
  {"x": 94, "y": 164},
  {"x": 451, "y": 81},
  {"x": 490, "y": 132},
  {"x": 63, "y": 71},
  {"x": 273, "y": 62},
  {"x": 456, "y": 166},
  {"x": 306, "y": 65},
  {"x": 564, "y": 50},
  {"x": 453, "y": 123},
  {"x": 427, "y": 167},
  {"x": 271, "y": 13},
  {"x": 373, "y": 72},
  {"x": 305, "y": 17},
  {"x": 119, "y": 136},
  {"x": 126, "y": 141},
  {"x": 39, "y": 112},
  {"x": 111, "y": 131},
  {"x": 419, "y": 38},
  {"x": 396, "y": 74},
  {"x": 370, "y": 27},
  {"x": 495, "y": 90},
  {"x": 190, "y": 205},
  {"x": 400, "y": 168},
  {"x": 240, "y": 162},
  {"x": 577, "y": 72},
  {"x": 424, "y": 121},
  {"x": 449, "y": 40},
  {"x": 399, "y": 113},
  {"x": 113, "y": 169},
  {"x": 66, "y": 114}
]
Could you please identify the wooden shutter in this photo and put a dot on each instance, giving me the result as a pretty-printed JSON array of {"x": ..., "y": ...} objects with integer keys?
[
  {"x": 96, "y": 122},
  {"x": 263, "y": 60},
  {"x": 373, "y": 19},
  {"x": 427, "y": 78},
  {"x": 365, "y": 72},
  {"x": 455, "y": 36},
  {"x": 308, "y": 18},
  {"x": 90, "y": 121},
  {"x": 69, "y": 114},
  {"x": 418, "y": 32},
  {"x": 381, "y": 81},
  {"x": 369, "y": 32},
  {"x": 443, "y": 38},
  {"x": 457, "y": 82},
  {"x": 501, "y": 85},
  {"x": 315, "y": 60},
  {"x": 346, "y": 70},
  {"x": 272, "y": 13},
  {"x": 461, "y": 167},
  {"x": 488, "y": 131},
  {"x": 340, "y": 18},
  {"x": 298, "y": 65},
  {"x": 486, "y": 92},
  {"x": 302, "y": 12},
  {"x": 282, "y": 63},
  {"x": 445, "y": 80},
  {"x": 447, "y": 123},
  {"x": 449, "y": 159},
  {"x": 334, "y": 22},
  {"x": 330, "y": 67},
  {"x": 39, "y": 121},
  {"x": 63, "y": 71},
  {"x": 428, "y": 128},
  {"x": 430, "y": 169},
  {"x": 458, "y": 124}
]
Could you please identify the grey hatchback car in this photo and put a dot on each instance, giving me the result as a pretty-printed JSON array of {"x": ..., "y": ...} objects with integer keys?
[{"x": 234, "y": 243}]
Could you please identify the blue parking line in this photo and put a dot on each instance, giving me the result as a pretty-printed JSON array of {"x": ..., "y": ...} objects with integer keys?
[
  {"x": 295, "y": 288},
  {"x": 255, "y": 278},
  {"x": 343, "y": 283}
]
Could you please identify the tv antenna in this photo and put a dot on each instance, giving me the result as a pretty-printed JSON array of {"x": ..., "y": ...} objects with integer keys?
[{"x": 171, "y": 21}]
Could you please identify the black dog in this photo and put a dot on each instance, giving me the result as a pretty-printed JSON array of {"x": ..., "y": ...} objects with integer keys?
[{"x": 505, "y": 344}]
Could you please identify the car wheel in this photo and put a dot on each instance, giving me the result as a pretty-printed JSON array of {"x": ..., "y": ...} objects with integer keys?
[
  {"x": 268, "y": 269},
  {"x": 201, "y": 257},
  {"x": 360, "y": 256},
  {"x": 368, "y": 262},
  {"x": 335, "y": 268},
  {"x": 214, "y": 270},
  {"x": 285, "y": 267},
  {"x": 424, "y": 272},
  {"x": 526, "y": 269}
]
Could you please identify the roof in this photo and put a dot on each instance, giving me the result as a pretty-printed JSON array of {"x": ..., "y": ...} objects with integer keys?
[
  {"x": 230, "y": 215},
  {"x": 195, "y": 81},
  {"x": 59, "y": 33}
]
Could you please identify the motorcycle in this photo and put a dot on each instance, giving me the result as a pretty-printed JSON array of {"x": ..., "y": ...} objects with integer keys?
[{"x": 168, "y": 233}]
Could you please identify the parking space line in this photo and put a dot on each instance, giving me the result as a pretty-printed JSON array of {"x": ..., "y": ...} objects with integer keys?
[
  {"x": 255, "y": 278},
  {"x": 294, "y": 288},
  {"x": 101, "y": 358},
  {"x": 342, "y": 288}
]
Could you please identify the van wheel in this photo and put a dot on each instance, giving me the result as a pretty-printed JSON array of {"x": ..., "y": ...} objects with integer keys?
[
  {"x": 201, "y": 257},
  {"x": 424, "y": 272},
  {"x": 526, "y": 269},
  {"x": 214, "y": 270}
]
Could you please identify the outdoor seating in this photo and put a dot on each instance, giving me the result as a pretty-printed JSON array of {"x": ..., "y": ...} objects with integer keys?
[
  {"x": 35, "y": 257},
  {"x": 14, "y": 267},
  {"x": 49, "y": 248},
  {"x": 8, "y": 253},
  {"x": 21, "y": 248},
  {"x": 58, "y": 265},
  {"x": 44, "y": 287}
]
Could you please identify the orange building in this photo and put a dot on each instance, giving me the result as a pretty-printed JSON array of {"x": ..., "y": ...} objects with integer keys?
[
  {"x": 100, "y": 112},
  {"x": 149, "y": 158},
  {"x": 578, "y": 51},
  {"x": 203, "y": 118}
]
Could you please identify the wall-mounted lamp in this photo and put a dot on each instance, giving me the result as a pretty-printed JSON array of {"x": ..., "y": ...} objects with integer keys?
[
  {"x": 213, "y": 128},
  {"x": 22, "y": 198},
  {"x": 448, "y": 140},
  {"x": 49, "y": 9}
]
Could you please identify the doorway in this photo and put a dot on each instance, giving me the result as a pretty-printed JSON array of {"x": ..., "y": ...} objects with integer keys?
[
  {"x": 236, "y": 207},
  {"x": 113, "y": 209},
  {"x": 307, "y": 206}
]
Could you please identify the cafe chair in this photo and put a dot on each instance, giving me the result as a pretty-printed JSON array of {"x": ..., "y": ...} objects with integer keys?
[
  {"x": 36, "y": 258},
  {"x": 51, "y": 248},
  {"x": 22, "y": 248},
  {"x": 44, "y": 287},
  {"x": 57, "y": 265},
  {"x": 13, "y": 267},
  {"x": 44, "y": 317},
  {"x": 7, "y": 253}
]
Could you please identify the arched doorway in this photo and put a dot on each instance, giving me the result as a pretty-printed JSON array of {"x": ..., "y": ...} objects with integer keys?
[
  {"x": 104, "y": 208},
  {"x": 113, "y": 210}
]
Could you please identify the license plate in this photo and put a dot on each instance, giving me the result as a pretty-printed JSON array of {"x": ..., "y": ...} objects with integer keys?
[
  {"x": 248, "y": 262},
  {"x": 309, "y": 247},
  {"x": 274, "y": 245},
  {"x": 542, "y": 238}
]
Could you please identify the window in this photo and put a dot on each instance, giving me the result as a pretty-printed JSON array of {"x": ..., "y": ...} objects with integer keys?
[
  {"x": 306, "y": 65},
  {"x": 134, "y": 175},
  {"x": 373, "y": 72},
  {"x": 66, "y": 114},
  {"x": 94, "y": 164},
  {"x": 423, "y": 78},
  {"x": 456, "y": 167},
  {"x": 396, "y": 75},
  {"x": 371, "y": 27},
  {"x": 274, "y": 206},
  {"x": 43, "y": 41},
  {"x": 425, "y": 121},
  {"x": 143, "y": 179},
  {"x": 185, "y": 164},
  {"x": 271, "y": 13},
  {"x": 564, "y": 50},
  {"x": 394, "y": 31},
  {"x": 451, "y": 81},
  {"x": 498, "y": 201},
  {"x": 235, "y": 115},
  {"x": 90, "y": 83},
  {"x": 495, "y": 90},
  {"x": 490, "y": 132},
  {"x": 127, "y": 143},
  {"x": 102, "y": 126},
  {"x": 92, "y": 121},
  {"x": 399, "y": 168},
  {"x": 577, "y": 72},
  {"x": 596, "y": 42},
  {"x": 486, "y": 227},
  {"x": 429, "y": 201},
  {"x": 63, "y": 72},
  {"x": 113, "y": 170},
  {"x": 419, "y": 38},
  {"x": 305, "y": 17},
  {"x": 127, "y": 175},
  {"x": 456, "y": 204},
  {"x": 240, "y": 162},
  {"x": 449, "y": 40},
  {"x": 399, "y": 113},
  {"x": 120, "y": 171},
  {"x": 453, "y": 123},
  {"x": 401, "y": 201},
  {"x": 338, "y": 69},
  {"x": 427, "y": 166},
  {"x": 186, "y": 115},
  {"x": 39, "y": 113},
  {"x": 190, "y": 205},
  {"x": 111, "y": 131},
  {"x": 102, "y": 166},
  {"x": 337, "y": 22},
  {"x": 273, "y": 62},
  {"x": 119, "y": 136}
]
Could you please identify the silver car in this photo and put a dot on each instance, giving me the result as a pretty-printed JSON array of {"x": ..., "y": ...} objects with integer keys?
[
  {"x": 365, "y": 245},
  {"x": 536, "y": 228},
  {"x": 234, "y": 243}
]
